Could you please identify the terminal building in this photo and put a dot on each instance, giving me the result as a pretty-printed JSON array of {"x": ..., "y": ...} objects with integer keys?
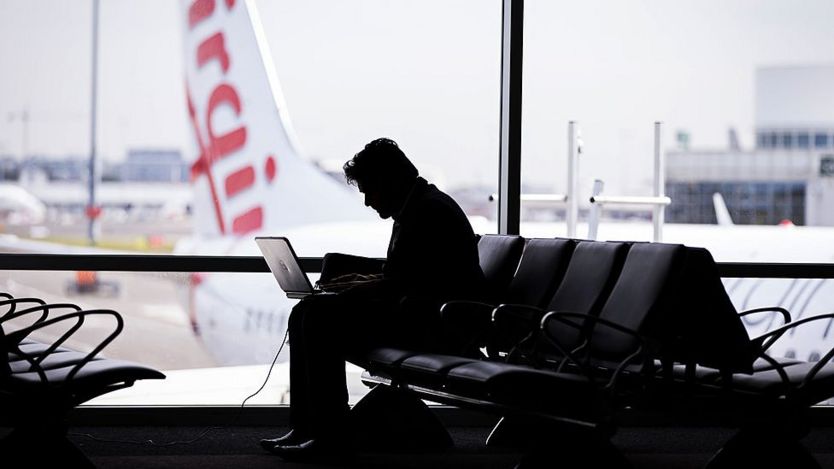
[{"x": 787, "y": 176}]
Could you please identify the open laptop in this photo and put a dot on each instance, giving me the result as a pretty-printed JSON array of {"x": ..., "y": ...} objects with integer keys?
[{"x": 282, "y": 261}]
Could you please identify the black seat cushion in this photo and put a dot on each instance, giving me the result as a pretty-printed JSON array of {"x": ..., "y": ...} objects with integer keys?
[
  {"x": 95, "y": 374},
  {"x": 385, "y": 357},
  {"x": 524, "y": 387},
  {"x": 471, "y": 379},
  {"x": 53, "y": 360},
  {"x": 769, "y": 382},
  {"x": 430, "y": 368},
  {"x": 36, "y": 348},
  {"x": 705, "y": 374}
]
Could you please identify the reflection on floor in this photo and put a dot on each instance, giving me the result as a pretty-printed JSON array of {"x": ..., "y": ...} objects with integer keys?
[{"x": 220, "y": 386}]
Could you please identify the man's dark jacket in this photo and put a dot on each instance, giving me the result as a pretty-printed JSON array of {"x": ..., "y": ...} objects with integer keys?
[{"x": 433, "y": 252}]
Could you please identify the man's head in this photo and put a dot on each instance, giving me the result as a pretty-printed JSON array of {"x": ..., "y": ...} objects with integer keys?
[{"x": 383, "y": 174}]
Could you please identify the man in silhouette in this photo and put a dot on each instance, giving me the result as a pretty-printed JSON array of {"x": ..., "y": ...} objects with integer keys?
[{"x": 432, "y": 258}]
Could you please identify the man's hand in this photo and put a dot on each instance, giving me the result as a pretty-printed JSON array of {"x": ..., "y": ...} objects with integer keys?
[
  {"x": 343, "y": 282},
  {"x": 354, "y": 278}
]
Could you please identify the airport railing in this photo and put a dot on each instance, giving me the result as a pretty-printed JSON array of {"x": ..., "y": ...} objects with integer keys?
[{"x": 255, "y": 264}]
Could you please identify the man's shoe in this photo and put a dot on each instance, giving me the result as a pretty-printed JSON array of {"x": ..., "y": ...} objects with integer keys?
[
  {"x": 292, "y": 437},
  {"x": 316, "y": 449}
]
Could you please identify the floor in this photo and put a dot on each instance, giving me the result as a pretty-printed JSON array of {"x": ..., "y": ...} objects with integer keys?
[{"x": 204, "y": 448}]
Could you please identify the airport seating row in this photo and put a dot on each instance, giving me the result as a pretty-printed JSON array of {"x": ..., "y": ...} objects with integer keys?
[
  {"x": 578, "y": 334},
  {"x": 41, "y": 381}
]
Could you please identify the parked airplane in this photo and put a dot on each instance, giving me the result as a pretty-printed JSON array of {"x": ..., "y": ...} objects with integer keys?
[
  {"x": 250, "y": 178},
  {"x": 19, "y": 206}
]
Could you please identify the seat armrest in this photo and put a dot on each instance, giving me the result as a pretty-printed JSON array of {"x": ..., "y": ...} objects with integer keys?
[
  {"x": 515, "y": 329},
  {"x": 466, "y": 326},
  {"x": 79, "y": 317},
  {"x": 786, "y": 315},
  {"x": 764, "y": 341},
  {"x": 518, "y": 312},
  {"x": 638, "y": 356},
  {"x": 12, "y": 304},
  {"x": 44, "y": 310},
  {"x": 465, "y": 308}
]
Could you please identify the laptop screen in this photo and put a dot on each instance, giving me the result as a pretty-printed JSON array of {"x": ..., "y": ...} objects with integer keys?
[{"x": 283, "y": 263}]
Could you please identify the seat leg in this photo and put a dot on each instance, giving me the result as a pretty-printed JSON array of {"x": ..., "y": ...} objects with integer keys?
[
  {"x": 394, "y": 419},
  {"x": 580, "y": 448},
  {"x": 768, "y": 447}
]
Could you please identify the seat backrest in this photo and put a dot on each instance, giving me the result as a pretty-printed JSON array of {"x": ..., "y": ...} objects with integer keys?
[
  {"x": 590, "y": 277},
  {"x": 641, "y": 300},
  {"x": 540, "y": 271},
  {"x": 710, "y": 330},
  {"x": 499, "y": 255}
]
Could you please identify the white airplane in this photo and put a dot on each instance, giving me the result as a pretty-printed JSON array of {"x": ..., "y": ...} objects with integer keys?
[
  {"x": 19, "y": 206},
  {"x": 250, "y": 179}
]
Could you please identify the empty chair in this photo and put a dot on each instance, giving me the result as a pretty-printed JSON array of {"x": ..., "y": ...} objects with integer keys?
[
  {"x": 41, "y": 382},
  {"x": 614, "y": 342},
  {"x": 709, "y": 312},
  {"x": 731, "y": 375},
  {"x": 586, "y": 283},
  {"x": 31, "y": 311},
  {"x": 591, "y": 274},
  {"x": 595, "y": 271},
  {"x": 468, "y": 325},
  {"x": 541, "y": 270}
]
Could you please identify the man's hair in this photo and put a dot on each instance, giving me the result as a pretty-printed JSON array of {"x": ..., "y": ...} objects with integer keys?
[{"x": 380, "y": 160}]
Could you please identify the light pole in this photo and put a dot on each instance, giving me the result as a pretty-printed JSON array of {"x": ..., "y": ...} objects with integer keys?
[{"x": 93, "y": 211}]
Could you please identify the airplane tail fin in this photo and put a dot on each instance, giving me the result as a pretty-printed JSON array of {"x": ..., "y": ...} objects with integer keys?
[
  {"x": 721, "y": 212},
  {"x": 248, "y": 174}
]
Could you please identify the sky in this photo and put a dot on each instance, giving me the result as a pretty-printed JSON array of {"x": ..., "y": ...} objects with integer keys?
[{"x": 426, "y": 73}]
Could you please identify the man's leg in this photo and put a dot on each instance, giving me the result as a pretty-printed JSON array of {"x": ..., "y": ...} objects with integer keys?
[
  {"x": 324, "y": 331},
  {"x": 320, "y": 333},
  {"x": 299, "y": 397},
  {"x": 299, "y": 394},
  {"x": 322, "y": 325},
  {"x": 331, "y": 329},
  {"x": 327, "y": 329}
]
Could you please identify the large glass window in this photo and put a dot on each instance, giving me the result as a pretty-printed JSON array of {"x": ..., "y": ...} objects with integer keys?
[
  {"x": 745, "y": 86},
  {"x": 217, "y": 124},
  {"x": 228, "y": 123},
  {"x": 215, "y": 344},
  {"x": 746, "y": 83},
  {"x": 802, "y": 297}
]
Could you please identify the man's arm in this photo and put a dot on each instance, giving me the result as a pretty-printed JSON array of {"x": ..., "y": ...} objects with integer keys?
[{"x": 337, "y": 267}]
